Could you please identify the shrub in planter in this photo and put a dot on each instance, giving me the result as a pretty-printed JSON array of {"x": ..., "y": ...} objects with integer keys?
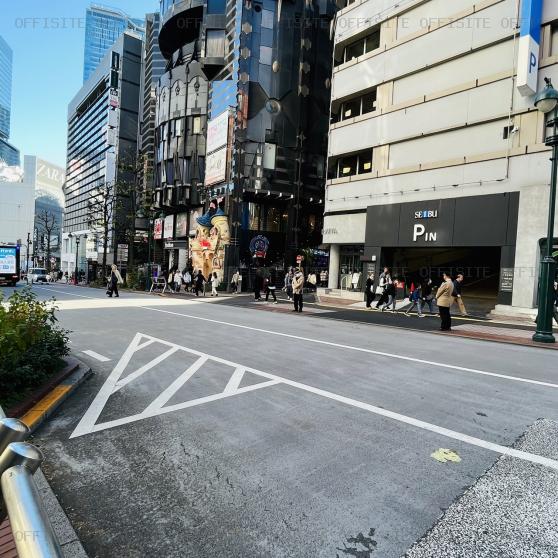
[{"x": 31, "y": 345}]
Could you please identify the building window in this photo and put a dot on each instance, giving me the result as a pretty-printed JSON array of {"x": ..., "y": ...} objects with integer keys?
[
  {"x": 554, "y": 39},
  {"x": 196, "y": 125},
  {"x": 351, "y": 165},
  {"x": 355, "y": 107},
  {"x": 363, "y": 45},
  {"x": 215, "y": 43}
]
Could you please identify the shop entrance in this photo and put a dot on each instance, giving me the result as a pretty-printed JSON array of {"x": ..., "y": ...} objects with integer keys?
[{"x": 480, "y": 267}]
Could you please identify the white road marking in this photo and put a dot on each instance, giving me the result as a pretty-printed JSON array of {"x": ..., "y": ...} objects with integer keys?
[
  {"x": 136, "y": 374},
  {"x": 88, "y": 424},
  {"x": 363, "y": 350},
  {"x": 165, "y": 396},
  {"x": 235, "y": 380},
  {"x": 96, "y": 356},
  {"x": 66, "y": 292}
]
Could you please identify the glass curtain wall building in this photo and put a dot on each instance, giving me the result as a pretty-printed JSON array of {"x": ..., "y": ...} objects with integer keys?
[
  {"x": 153, "y": 68},
  {"x": 103, "y": 25},
  {"x": 103, "y": 121},
  {"x": 8, "y": 153}
]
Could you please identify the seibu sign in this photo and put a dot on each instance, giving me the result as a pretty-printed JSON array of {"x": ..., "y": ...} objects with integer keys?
[{"x": 419, "y": 230}]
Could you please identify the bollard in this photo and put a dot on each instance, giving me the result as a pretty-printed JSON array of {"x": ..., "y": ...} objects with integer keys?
[
  {"x": 33, "y": 533},
  {"x": 12, "y": 430},
  {"x": 19, "y": 453}
]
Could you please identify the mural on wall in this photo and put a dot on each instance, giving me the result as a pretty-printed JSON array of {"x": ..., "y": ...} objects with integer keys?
[{"x": 207, "y": 248}]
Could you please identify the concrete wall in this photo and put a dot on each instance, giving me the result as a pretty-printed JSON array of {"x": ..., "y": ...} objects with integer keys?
[{"x": 17, "y": 211}]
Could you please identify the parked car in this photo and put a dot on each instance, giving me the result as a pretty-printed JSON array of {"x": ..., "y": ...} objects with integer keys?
[{"x": 37, "y": 275}]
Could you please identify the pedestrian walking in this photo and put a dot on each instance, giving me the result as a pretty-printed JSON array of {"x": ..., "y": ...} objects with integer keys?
[
  {"x": 355, "y": 279},
  {"x": 457, "y": 284},
  {"x": 288, "y": 284},
  {"x": 270, "y": 290},
  {"x": 370, "y": 294},
  {"x": 214, "y": 284},
  {"x": 187, "y": 279},
  {"x": 312, "y": 281},
  {"x": 415, "y": 300},
  {"x": 390, "y": 292},
  {"x": 234, "y": 281},
  {"x": 298, "y": 288},
  {"x": 323, "y": 278},
  {"x": 199, "y": 284},
  {"x": 177, "y": 281},
  {"x": 115, "y": 279},
  {"x": 384, "y": 281},
  {"x": 426, "y": 297},
  {"x": 258, "y": 284},
  {"x": 444, "y": 299}
]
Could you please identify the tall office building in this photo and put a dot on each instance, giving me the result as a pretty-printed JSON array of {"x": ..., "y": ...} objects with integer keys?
[
  {"x": 103, "y": 121},
  {"x": 103, "y": 25},
  {"x": 8, "y": 153},
  {"x": 152, "y": 69}
]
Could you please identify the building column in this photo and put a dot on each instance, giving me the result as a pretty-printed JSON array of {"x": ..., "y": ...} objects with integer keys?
[{"x": 333, "y": 277}]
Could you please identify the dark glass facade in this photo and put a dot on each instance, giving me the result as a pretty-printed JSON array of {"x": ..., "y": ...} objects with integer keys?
[{"x": 8, "y": 153}]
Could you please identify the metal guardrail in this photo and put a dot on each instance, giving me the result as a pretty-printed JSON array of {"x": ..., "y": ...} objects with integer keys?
[{"x": 20, "y": 500}]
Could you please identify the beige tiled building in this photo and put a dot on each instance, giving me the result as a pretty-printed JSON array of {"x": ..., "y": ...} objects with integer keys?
[{"x": 436, "y": 159}]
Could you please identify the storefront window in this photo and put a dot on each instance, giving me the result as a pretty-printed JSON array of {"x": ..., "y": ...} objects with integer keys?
[{"x": 350, "y": 265}]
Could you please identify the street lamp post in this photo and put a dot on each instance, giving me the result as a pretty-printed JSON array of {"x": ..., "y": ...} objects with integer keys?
[
  {"x": 77, "y": 252},
  {"x": 149, "y": 271},
  {"x": 547, "y": 102}
]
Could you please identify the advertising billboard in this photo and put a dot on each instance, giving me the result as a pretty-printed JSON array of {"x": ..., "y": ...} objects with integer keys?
[
  {"x": 216, "y": 167},
  {"x": 158, "y": 229},
  {"x": 217, "y": 132},
  {"x": 8, "y": 262},
  {"x": 168, "y": 227},
  {"x": 181, "y": 225}
]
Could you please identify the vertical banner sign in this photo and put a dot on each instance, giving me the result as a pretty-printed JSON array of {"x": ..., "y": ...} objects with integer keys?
[{"x": 529, "y": 47}]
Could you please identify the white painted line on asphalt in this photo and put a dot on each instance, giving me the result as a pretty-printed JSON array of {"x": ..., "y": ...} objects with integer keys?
[
  {"x": 96, "y": 356},
  {"x": 363, "y": 350},
  {"x": 66, "y": 292},
  {"x": 88, "y": 424},
  {"x": 165, "y": 396},
  {"x": 137, "y": 373}
]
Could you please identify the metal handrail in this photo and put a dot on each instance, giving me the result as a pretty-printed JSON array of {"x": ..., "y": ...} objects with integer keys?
[
  {"x": 33, "y": 533},
  {"x": 20, "y": 500}
]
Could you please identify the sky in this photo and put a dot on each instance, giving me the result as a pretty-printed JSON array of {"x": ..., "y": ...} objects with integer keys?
[{"x": 48, "y": 67}]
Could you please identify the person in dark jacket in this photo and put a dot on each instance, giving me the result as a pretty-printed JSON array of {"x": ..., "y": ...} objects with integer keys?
[
  {"x": 370, "y": 295},
  {"x": 199, "y": 283},
  {"x": 391, "y": 292},
  {"x": 457, "y": 284},
  {"x": 426, "y": 297},
  {"x": 555, "y": 308}
]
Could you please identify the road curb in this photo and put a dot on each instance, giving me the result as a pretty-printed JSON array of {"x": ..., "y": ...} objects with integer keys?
[{"x": 49, "y": 403}]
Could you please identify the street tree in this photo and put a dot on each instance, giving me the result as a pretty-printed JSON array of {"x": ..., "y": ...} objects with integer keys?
[{"x": 47, "y": 225}]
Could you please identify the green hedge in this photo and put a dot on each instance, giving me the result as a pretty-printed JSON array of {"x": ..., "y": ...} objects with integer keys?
[{"x": 31, "y": 345}]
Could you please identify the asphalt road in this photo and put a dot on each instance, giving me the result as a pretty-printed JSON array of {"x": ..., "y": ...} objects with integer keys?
[{"x": 212, "y": 429}]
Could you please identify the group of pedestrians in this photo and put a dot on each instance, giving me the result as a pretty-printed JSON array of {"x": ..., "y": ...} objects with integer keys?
[
  {"x": 421, "y": 296},
  {"x": 193, "y": 281}
]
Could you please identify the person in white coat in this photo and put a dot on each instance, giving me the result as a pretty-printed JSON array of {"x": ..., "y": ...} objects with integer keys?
[{"x": 177, "y": 281}]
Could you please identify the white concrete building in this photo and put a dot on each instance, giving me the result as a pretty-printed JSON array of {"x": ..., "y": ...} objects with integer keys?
[
  {"x": 17, "y": 211},
  {"x": 436, "y": 152}
]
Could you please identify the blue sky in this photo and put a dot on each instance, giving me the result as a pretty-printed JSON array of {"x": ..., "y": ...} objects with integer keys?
[{"x": 48, "y": 67}]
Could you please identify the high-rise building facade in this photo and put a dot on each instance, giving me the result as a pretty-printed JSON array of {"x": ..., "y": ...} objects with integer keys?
[
  {"x": 152, "y": 69},
  {"x": 8, "y": 153},
  {"x": 103, "y": 120},
  {"x": 259, "y": 158},
  {"x": 436, "y": 152},
  {"x": 103, "y": 25}
]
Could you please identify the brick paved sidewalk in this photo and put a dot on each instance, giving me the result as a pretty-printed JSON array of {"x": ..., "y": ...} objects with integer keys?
[{"x": 7, "y": 543}]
